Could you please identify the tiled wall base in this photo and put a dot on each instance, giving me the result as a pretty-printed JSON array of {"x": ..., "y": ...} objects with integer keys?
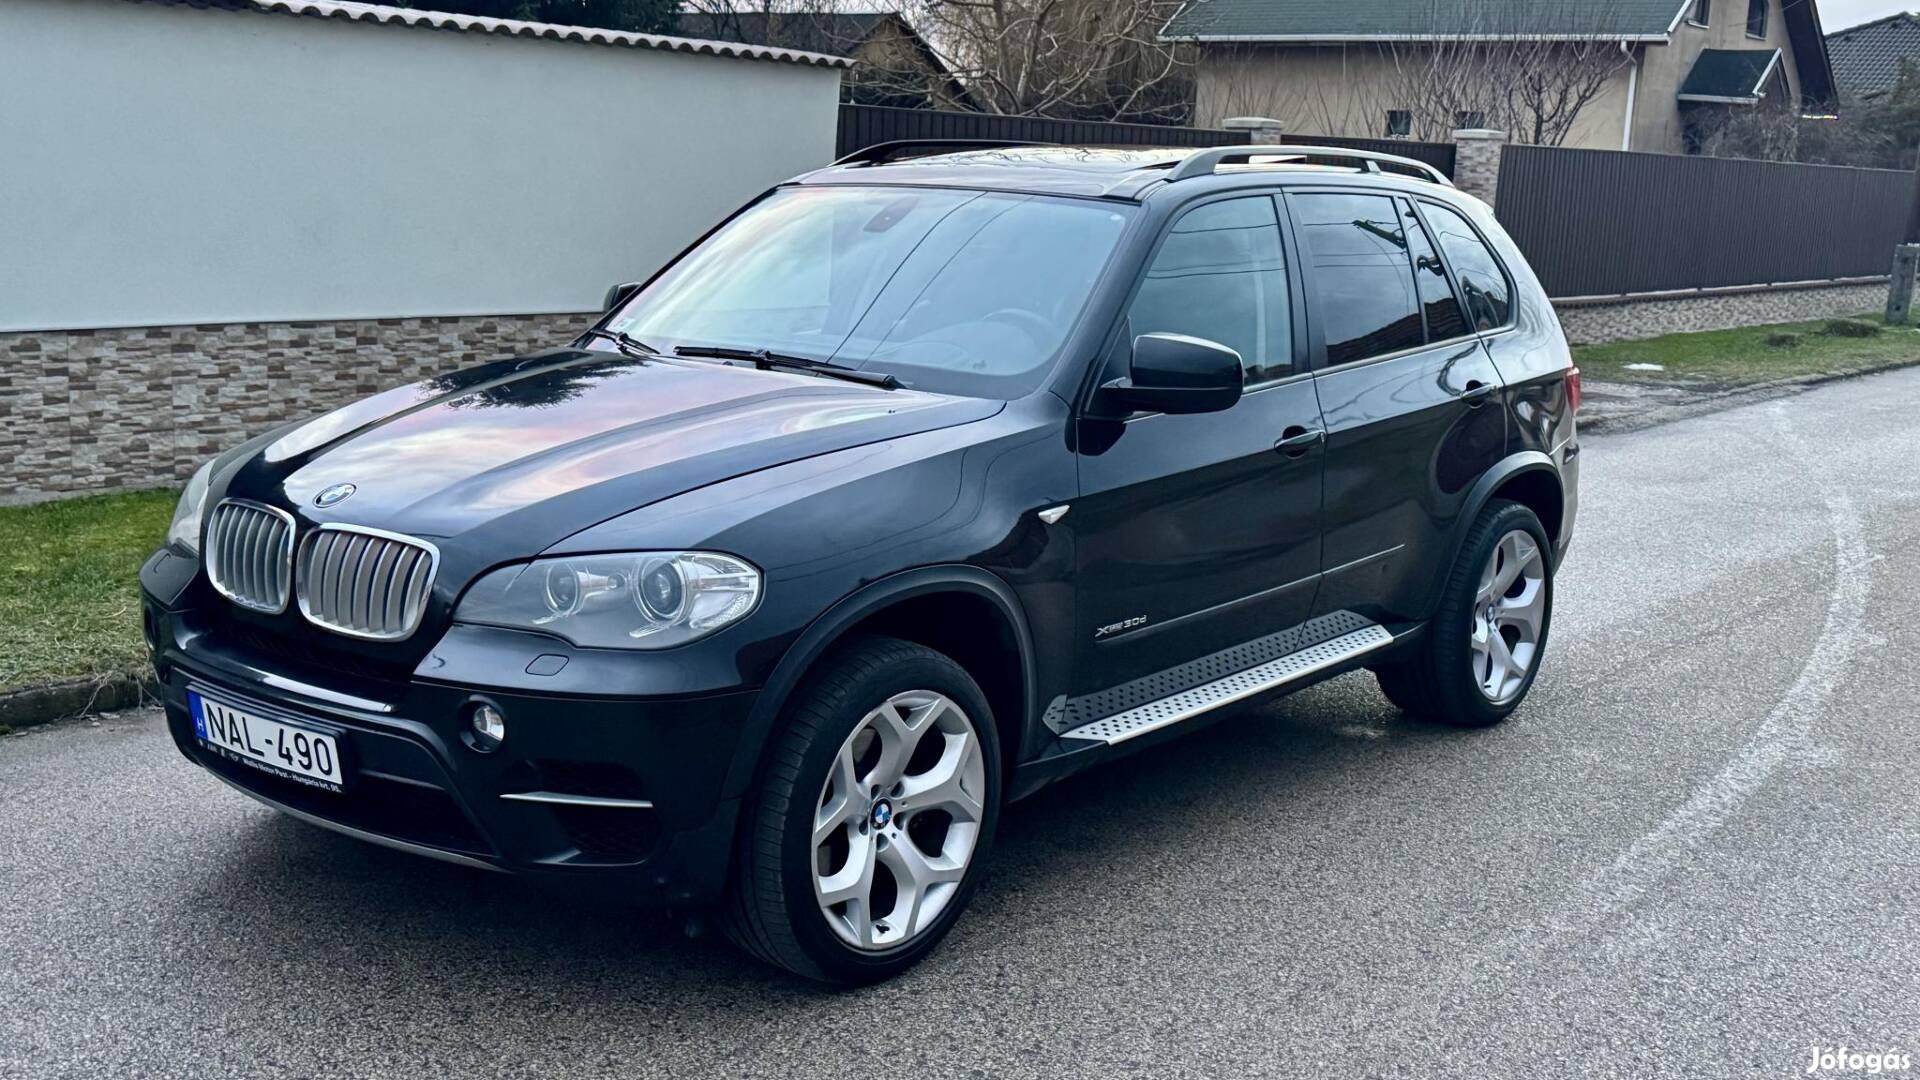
[{"x": 105, "y": 410}]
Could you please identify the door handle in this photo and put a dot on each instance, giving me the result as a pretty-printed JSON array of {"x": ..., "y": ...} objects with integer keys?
[
  {"x": 1295, "y": 441},
  {"x": 1477, "y": 393}
]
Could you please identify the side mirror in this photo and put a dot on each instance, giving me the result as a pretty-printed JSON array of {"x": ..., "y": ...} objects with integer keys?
[
  {"x": 619, "y": 293},
  {"x": 1174, "y": 373}
]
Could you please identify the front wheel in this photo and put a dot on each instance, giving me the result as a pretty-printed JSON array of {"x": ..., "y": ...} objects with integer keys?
[
  {"x": 864, "y": 840},
  {"x": 1484, "y": 645}
]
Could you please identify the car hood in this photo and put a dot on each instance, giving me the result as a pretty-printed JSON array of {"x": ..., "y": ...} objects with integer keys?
[{"x": 508, "y": 458}]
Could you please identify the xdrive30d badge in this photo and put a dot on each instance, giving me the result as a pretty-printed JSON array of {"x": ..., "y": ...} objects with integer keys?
[{"x": 923, "y": 481}]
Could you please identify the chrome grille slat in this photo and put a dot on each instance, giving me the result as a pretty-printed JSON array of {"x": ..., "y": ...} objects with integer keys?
[
  {"x": 336, "y": 591},
  {"x": 356, "y": 550},
  {"x": 283, "y": 572},
  {"x": 360, "y": 600},
  {"x": 336, "y": 558},
  {"x": 249, "y": 564},
  {"x": 330, "y": 567},
  {"x": 314, "y": 566},
  {"x": 363, "y": 582},
  {"x": 376, "y": 595},
  {"x": 392, "y": 605},
  {"x": 249, "y": 554}
]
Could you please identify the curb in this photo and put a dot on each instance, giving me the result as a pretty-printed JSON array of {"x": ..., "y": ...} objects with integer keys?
[
  {"x": 36, "y": 705},
  {"x": 1728, "y": 398}
]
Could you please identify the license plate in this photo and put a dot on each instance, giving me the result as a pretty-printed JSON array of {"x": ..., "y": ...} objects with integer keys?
[{"x": 282, "y": 749}]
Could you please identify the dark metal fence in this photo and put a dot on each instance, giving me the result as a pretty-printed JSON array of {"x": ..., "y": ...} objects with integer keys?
[
  {"x": 1602, "y": 222},
  {"x": 864, "y": 125}
]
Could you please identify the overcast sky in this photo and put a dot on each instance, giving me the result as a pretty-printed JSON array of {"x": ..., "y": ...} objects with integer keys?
[{"x": 1840, "y": 14}]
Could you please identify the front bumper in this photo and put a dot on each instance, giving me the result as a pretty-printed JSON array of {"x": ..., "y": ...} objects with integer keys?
[{"x": 629, "y": 791}]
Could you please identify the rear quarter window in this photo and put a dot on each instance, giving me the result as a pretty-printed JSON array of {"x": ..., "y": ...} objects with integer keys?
[{"x": 1487, "y": 288}]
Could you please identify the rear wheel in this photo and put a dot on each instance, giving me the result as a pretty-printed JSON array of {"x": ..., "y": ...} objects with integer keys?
[
  {"x": 1484, "y": 646},
  {"x": 878, "y": 805}
]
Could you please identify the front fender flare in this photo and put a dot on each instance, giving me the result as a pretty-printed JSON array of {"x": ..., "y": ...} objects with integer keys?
[{"x": 832, "y": 626}]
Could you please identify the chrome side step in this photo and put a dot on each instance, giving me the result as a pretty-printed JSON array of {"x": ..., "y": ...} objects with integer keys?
[
  {"x": 1206, "y": 697},
  {"x": 562, "y": 799}
]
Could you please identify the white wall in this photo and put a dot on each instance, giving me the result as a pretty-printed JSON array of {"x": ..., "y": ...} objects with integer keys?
[{"x": 165, "y": 165}]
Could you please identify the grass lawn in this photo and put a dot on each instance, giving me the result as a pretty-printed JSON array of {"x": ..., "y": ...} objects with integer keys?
[
  {"x": 69, "y": 585},
  {"x": 1750, "y": 354}
]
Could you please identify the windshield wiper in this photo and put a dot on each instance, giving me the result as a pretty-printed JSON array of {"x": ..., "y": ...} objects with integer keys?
[
  {"x": 627, "y": 344},
  {"x": 765, "y": 360}
]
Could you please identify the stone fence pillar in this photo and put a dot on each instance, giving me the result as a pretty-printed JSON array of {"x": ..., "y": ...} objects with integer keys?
[
  {"x": 1476, "y": 161},
  {"x": 1261, "y": 130}
]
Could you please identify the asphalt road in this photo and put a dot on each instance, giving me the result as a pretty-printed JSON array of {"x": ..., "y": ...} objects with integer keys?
[{"x": 1692, "y": 853}]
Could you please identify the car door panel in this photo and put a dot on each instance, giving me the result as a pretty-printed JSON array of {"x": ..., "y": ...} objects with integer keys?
[
  {"x": 1198, "y": 532},
  {"x": 1194, "y": 534},
  {"x": 1408, "y": 393},
  {"x": 1403, "y": 448}
]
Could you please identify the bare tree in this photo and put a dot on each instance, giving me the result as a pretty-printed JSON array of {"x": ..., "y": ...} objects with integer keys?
[
  {"x": 1083, "y": 59},
  {"x": 1549, "y": 84}
]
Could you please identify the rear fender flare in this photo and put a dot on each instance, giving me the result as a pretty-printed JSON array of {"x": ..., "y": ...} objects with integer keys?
[{"x": 1526, "y": 461}]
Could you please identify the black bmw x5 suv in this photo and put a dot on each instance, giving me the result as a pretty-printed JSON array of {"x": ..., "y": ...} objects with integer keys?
[{"x": 924, "y": 480}]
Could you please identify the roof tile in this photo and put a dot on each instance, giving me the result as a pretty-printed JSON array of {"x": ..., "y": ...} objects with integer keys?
[
  {"x": 443, "y": 20},
  {"x": 1334, "y": 20},
  {"x": 1866, "y": 58}
]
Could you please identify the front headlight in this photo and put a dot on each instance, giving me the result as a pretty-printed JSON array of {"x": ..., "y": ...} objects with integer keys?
[
  {"x": 637, "y": 600},
  {"x": 184, "y": 533}
]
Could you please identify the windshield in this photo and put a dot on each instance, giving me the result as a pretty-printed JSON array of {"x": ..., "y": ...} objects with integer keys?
[{"x": 960, "y": 292}]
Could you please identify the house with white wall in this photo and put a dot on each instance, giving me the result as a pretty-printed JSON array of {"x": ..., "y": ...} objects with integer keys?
[{"x": 221, "y": 215}]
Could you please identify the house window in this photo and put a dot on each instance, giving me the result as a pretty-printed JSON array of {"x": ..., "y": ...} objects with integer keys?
[
  {"x": 1702, "y": 13},
  {"x": 1399, "y": 123},
  {"x": 1757, "y": 18},
  {"x": 1469, "y": 118}
]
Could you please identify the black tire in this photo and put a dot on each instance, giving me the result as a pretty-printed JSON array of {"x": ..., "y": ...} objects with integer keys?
[
  {"x": 1435, "y": 679},
  {"x": 771, "y": 910}
]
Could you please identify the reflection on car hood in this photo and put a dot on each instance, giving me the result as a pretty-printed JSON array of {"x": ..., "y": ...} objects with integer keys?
[{"x": 518, "y": 454}]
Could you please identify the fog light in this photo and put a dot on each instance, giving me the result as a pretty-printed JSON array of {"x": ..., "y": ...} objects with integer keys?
[{"x": 489, "y": 727}]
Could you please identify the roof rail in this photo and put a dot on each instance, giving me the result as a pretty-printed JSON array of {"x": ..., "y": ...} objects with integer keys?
[
  {"x": 883, "y": 152},
  {"x": 1204, "y": 162}
]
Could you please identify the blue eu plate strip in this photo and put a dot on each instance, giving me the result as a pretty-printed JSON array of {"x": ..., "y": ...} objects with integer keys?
[{"x": 198, "y": 710}]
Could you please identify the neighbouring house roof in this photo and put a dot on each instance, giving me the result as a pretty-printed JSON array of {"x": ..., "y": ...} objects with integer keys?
[
  {"x": 1398, "y": 20},
  {"x": 1333, "y": 21},
  {"x": 441, "y": 20},
  {"x": 1867, "y": 58},
  {"x": 822, "y": 32},
  {"x": 1733, "y": 76}
]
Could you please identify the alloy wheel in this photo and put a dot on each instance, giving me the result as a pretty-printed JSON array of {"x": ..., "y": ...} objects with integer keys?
[
  {"x": 898, "y": 819},
  {"x": 1509, "y": 614}
]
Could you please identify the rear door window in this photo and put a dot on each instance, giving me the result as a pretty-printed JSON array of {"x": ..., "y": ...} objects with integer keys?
[
  {"x": 1354, "y": 247},
  {"x": 1445, "y": 320}
]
